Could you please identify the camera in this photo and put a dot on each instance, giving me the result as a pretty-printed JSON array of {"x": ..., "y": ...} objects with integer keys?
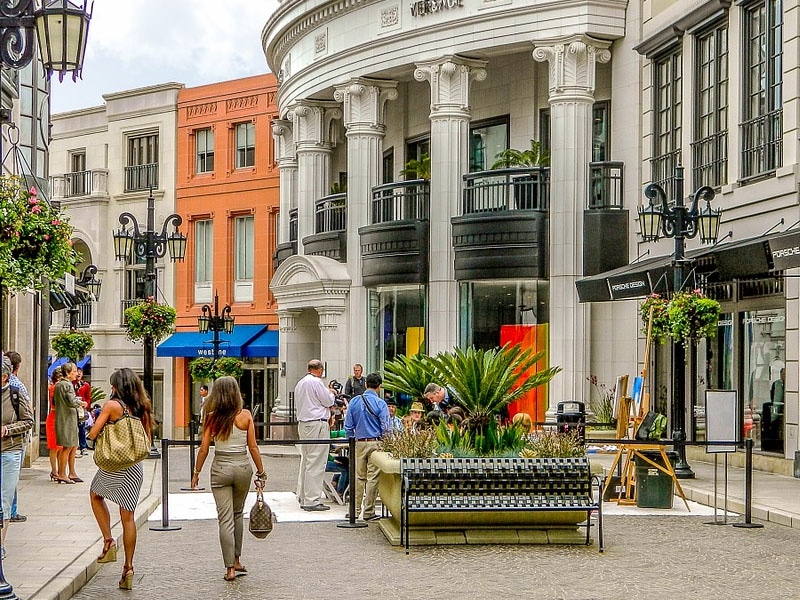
[
  {"x": 335, "y": 385},
  {"x": 339, "y": 401}
]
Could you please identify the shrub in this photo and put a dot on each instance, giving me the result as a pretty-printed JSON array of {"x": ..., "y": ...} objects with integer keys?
[
  {"x": 553, "y": 444},
  {"x": 72, "y": 344},
  {"x": 204, "y": 369},
  {"x": 408, "y": 444},
  {"x": 149, "y": 318}
]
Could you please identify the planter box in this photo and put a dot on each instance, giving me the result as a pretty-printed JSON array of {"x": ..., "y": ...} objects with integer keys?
[{"x": 497, "y": 527}]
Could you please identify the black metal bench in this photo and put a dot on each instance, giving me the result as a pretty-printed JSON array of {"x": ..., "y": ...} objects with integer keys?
[{"x": 498, "y": 484}]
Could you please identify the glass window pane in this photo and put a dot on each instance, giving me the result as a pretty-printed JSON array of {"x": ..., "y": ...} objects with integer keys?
[{"x": 243, "y": 267}]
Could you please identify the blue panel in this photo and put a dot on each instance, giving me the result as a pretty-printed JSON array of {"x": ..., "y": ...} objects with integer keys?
[
  {"x": 56, "y": 363},
  {"x": 265, "y": 345},
  {"x": 193, "y": 343},
  {"x": 84, "y": 361}
]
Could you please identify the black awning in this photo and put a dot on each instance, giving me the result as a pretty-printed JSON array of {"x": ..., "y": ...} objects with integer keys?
[
  {"x": 784, "y": 251},
  {"x": 745, "y": 258},
  {"x": 635, "y": 280},
  {"x": 60, "y": 298}
]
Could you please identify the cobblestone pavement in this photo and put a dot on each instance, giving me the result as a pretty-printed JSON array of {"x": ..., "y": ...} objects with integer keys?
[{"x": 649, "y": 558}]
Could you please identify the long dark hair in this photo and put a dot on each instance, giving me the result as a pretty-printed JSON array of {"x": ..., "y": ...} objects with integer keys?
[
  {"x": 131, "y": 391},
  {"x": 221, "y": 407}
]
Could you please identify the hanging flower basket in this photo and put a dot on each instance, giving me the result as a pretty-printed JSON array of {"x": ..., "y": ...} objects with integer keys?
[
  {"x": 204, "y": 369},
  {"x": 686, "y": 318},
  {"x": 35, "y": 238},
  {"x": 73, "y": 344},
  {"x": 151, "y": 319}
]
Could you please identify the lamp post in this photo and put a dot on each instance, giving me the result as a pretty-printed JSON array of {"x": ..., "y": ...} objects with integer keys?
[
  {"x": 61, "y": 28},
  {"x": 92, "y": 285},
  {"x": 680, "y": 223},
  {"x": 149, "y": 245},
  {"x": 216, "y": 323}
]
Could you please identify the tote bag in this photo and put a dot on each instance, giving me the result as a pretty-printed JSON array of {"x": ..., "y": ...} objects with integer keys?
[
  {"x": 122, "y": 443},
  {"x": 260, "y": 516}
]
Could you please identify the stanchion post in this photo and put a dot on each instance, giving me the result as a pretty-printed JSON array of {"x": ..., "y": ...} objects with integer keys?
[
  {"x": 165, "y": 526},
  {"x": 748, "y": 488},
  {"x": 192, "y": 425},
  {"x": 351, "y": 523}
]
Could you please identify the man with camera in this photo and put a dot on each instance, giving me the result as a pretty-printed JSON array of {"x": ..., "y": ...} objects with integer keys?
[
  {"x": 313, "y": 402},
  {"x": 367, "y": 420}
]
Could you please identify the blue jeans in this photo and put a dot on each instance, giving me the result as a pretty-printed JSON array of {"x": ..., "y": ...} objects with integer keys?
[
  {"x": 10, "y": 464},
  {"x": 14, "y": 501},
  {"x": 82, "y": 436},
  {"x": 344, "y": 475}
]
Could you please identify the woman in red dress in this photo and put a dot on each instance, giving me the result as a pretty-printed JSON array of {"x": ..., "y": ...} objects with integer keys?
[{"x": 50, "y": 427}]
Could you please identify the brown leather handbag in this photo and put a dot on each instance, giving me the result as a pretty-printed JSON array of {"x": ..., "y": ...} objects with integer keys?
[{"x": 260, "y": 516}]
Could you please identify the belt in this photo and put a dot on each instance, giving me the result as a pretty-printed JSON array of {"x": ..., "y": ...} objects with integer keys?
[
  {"x": 367, "y": 439},
  {"x": 314, "y": 420}
]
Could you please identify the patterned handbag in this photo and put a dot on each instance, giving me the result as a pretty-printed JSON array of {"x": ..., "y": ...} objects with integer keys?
[
  {"x": 122, "y": 443},
  {"x": 260, "y": 516}
]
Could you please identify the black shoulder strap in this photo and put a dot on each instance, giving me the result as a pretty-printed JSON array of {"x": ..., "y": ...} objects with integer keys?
[
  {"x": 368, "y": 407},
  {"x": 14, "y": 391}
]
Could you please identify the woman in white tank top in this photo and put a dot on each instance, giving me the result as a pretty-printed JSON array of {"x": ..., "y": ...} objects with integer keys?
[{"x": 231, "y": 429}]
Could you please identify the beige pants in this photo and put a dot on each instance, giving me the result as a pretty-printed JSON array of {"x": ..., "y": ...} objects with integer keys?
[
  {"x": 230, "y": 481},
  {"x": 366, "y": 478},
  {"x": 313, "y": 459}
]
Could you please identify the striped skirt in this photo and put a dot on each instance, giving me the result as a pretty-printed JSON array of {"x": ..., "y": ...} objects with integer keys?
[{"x": 121, "y": 487}]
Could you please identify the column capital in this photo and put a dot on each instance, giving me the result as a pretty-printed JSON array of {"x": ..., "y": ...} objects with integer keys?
[
  {"x": 312, "y": 123},
  {"x": 364, "y": 101},
  {"x": 450, "y": 78},
  {"x": 573, "y": 64},
  {"x": 287, "y": 320},
  {"x": 283, "y": 135},
  {"x": 329, "y": 318}
]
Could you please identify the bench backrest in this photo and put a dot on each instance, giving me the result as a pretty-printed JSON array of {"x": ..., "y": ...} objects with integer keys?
[{"x": 547, "y": 477}]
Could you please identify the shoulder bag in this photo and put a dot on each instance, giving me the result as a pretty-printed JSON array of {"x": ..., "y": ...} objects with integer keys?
[
  {"x": 122, "y": 443},
  {"x": 260, "y": 516}
]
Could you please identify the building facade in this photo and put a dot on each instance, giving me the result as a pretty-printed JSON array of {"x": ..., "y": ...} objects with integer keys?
[{"x": 377, "y": 260}]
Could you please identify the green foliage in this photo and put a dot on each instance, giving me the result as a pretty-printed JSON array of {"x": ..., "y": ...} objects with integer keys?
[
  {"x": 483, "y": 382},
  {"x": 686, "y": 318},
  {"x": 533, "y": 157},
  {"x": 338, "y": 187},
  {"x": 495, "y": 440},
  {"x": 553, "y": 444},
  {"x": 408, "y": 444},
  {"x": 72, "y": 344},
  {"x": 204, "y": 369},
  {"x": 409, "y": 374},
  {"x": 149, "y": 318},
  {"x": 35, "y": 239},
  {"x": 98, "y": 395},
  {"x": 601, "y": 401},
  {"x": 418, "y": 169},
  {"x": 654, "y": 308}
]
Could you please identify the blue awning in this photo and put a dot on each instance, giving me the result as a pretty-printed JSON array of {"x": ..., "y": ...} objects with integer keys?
[
  {"x": 265, "y": 345},
  {"x": 63, "y": 359},
  {"x": 194, "y": 344}
]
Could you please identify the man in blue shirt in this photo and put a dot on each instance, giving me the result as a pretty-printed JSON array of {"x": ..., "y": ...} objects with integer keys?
[{"x": 367, "y": 420}]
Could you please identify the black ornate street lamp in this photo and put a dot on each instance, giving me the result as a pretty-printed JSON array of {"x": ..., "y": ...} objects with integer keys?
[
  {"x": 149, "y": 245},
  {"x": 659, "y": 219},
  {"x": 92, "y": 284},
  {"x": 216, "y": 323},
  {"x": 62, "y": 29}
]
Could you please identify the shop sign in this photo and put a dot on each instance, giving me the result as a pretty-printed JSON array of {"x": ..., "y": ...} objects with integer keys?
[
  {"x": 210, "y": 352},
  {"x": 422, "y": 8},
  {"x": 785, "y": 251},
  {"x": 635, "y": 285},
  {"x": 763, "y": 320}
]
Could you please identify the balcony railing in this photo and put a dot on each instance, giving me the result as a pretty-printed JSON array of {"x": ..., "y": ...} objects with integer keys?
[
  {"x": 125, "y": 304},
  {"x": 401, "y": 201},
  {"x": 605, "y": 185},
  {"x": 762, "y": 144},
  {"x": 141, "y": 177},
  {"x": 293, "y": 225},
  {"x": 710, "y": 160},
  {"x": 84, "y": 319},
  {"x": 80, "y": 183},
  {"x": 330, "y": 214},
  {"x": 662, "y": 171},
  {"x": 506, "y": 189}
]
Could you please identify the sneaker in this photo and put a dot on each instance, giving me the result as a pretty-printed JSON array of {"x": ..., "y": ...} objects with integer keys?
[
  {"x": 316, "y": 507},
  {"x": 84, "y": 452},
  {"x": 372, "y": 518},
  {"x": 19, "y": 519}
]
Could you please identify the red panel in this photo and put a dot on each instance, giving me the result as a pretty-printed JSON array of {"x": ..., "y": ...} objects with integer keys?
[{"x": 534, "y": 337}]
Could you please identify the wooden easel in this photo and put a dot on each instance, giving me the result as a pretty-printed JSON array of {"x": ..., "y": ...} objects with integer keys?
[{"x": 626, "y": 430}]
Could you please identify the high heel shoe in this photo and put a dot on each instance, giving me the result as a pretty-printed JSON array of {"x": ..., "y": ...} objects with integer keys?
[
  {"x": 53, "y": 476},
  {"x": 109, "y": 552},
  {"x": 64, "y": 480},
  {"x": 126, "y": 583},
  {"x": 76, "y": 480}
]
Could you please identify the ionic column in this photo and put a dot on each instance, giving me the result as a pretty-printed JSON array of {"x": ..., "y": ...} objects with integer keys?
[
  {"x": 363, "y": 102},
  {"x": 287, "y": 324},
  {"x": 287, "y": 166},
  {"x": 450, "y": 79},
  {"x": 331, "y": 342},
  {"x": 312, "y": 124},
  {"x": 572, "y": 62}
]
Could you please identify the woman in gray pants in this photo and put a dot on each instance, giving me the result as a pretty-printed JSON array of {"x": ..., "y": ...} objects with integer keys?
[{"x": 231, "y": 429}]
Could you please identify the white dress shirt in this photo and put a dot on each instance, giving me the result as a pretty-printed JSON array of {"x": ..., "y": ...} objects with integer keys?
[{"x": 312, "y": 399}]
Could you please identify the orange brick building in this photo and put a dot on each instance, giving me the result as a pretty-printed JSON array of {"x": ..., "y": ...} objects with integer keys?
[{"x": 227, "y": 193}]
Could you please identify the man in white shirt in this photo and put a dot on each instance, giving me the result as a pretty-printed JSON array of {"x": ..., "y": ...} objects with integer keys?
[{"x": 313, "y": 403}]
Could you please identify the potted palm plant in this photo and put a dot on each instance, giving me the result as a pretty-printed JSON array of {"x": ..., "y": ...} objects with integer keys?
[{"x": 525, "y": 185}]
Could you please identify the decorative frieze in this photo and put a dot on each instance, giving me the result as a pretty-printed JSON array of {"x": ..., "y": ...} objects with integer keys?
[
  {"x": 242, "y": 103},
  {"x": 201, "y": 110},
  {"x": 390, "y": 17}
]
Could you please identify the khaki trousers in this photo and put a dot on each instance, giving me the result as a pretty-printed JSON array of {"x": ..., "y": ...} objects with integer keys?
[
  {"x": 366, "y": 478},
  {"x": 313, "y": 458},
  {"x": 230, "y": 481}
]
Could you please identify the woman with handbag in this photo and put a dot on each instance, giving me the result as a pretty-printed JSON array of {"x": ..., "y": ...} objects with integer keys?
[
  {"x": 128, "y": 398},
  {"x": 66, "y": 404},
  {"x": 230, "y": 427}
]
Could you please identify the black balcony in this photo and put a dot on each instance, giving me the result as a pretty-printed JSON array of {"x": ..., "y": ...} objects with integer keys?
[
  {"x": 78, "y": 183},
  {"x": 84, "y": 316},
  {"x": 330, "y": 214},
  {"x": 282, "y": 252},
  {"x": 401, "y": 201},
  {"x": 293, "y": 226},
  {"x": 141, "y": 177},
  {"x": 525, "y": 188},
  {"x": 606, "y": 185}
]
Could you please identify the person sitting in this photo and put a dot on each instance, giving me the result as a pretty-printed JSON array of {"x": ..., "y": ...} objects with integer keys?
[
  {"x": 413, "y": 421},
  {"x": 340, "y": 466}
]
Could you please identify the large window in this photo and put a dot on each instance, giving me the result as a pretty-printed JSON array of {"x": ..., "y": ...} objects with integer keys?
[
  {"x": 762, "y": 126},
  {"x": 203, "y": 260},
  {"x": 245, "y": 145},
  {"x": 486, "y": 141},
  {"x": 710, "y": 145},
  {"x": 668, "y": 96},
  {"x": 204, "y": 150},
  {"x": 243, "y": 259},
  {"x": 396, "y": 324},
  {"x": 141, "y": 172}
]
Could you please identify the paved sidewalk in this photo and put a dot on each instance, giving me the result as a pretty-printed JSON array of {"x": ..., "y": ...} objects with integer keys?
[{"x": 51, "y": 556}]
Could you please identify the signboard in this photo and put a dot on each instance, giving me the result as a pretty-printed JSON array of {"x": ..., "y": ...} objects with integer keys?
[
  {"x": 785, "y": 251},
  {"x": 629, "y": 285},
  {"x": 722, "y": 412}
]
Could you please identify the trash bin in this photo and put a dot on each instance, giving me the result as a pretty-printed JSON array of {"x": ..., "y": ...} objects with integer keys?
[
  {"x": 654, "y": 488},
  {"x": 571, "y": 416}
]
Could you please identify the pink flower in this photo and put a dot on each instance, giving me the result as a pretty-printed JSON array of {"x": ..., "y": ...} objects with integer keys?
[
  {"x": 46, "y": 237},
  {"x": 33, "y": 191},
  {"x": 36, "y": 209}
]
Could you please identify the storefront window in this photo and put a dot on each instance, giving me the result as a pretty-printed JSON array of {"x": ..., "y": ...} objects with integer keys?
[
  {"x": 396, "y": 323},
  {"x": 764, "y": 372},
  {"x": 487, "y": 307}
]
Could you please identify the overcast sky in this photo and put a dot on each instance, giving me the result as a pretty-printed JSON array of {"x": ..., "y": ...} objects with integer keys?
[{"x": 137, "y": 43}]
